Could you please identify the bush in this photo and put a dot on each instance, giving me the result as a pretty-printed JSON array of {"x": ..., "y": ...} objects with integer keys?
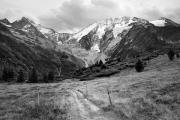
[
  {"x": 171, "y": 54},
  {"x": 139, "y": 66}
]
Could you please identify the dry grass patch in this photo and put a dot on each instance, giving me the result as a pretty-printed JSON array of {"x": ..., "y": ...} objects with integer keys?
[{"x": 43, "y": 111}]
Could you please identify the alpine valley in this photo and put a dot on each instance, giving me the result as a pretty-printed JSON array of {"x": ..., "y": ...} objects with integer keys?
[{"x": 25, "y": 44}]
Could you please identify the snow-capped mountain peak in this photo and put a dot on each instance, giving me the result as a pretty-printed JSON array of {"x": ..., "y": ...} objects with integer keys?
[
  {"x": 159, "y": 23},
  {"x": 162, "y": 22},
  {"x": 115, "y": 24},
  {"x": 44, "y": 30},
  {"x": 5, "y": 20},
  {"x": 26, "y": 19},
  {"x": 22, "y": 23},
  {"x": 84, "y": 31}
]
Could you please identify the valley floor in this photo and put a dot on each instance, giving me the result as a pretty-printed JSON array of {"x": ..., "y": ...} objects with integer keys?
[{"x": 150, "y": 95}]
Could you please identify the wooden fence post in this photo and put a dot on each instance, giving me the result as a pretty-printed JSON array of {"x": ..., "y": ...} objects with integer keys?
[
  {"x": 110, "y": 101},
  {"x": 38, "y": 95}
]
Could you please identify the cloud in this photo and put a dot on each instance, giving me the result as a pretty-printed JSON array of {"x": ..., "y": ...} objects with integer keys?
[
  {"x": 151, "y": 13},
  {"x": 9, "y": 13},
  {"x": 104, "y": 3},
  {"x": 15, "y": 14},
  {"x": 174, "y": 15},
  {"x": 76, "y": 14},
  {"x": 72, "y": 15}
]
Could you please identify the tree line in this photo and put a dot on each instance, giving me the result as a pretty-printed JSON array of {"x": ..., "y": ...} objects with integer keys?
[
  {"x": 139, "y": 66},
  {"x": 9, "y": 75}
]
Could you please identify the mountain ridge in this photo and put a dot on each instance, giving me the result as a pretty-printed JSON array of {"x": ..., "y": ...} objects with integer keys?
[
  {"x": 24, "y": 50},
  {"x": 100, "y": 40}
]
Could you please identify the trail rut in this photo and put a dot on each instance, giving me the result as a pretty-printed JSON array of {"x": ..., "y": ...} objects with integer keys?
[{"x": 83, "y": 109}]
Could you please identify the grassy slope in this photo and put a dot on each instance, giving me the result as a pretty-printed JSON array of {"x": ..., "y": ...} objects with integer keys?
[
  {"x": 21, "y": 56},
  {"x": 20, "y": 102},
  {"x": 150, "y": 95}
]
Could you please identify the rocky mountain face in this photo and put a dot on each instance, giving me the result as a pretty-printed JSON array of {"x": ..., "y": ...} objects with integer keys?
[
  {"x": 121, "y": 38},
  {"x": 26, "y": 28},
  {"x": 24, "y": 45},
  {"x": 113, "y": 38},
  {"x": 5, "y": 20}
]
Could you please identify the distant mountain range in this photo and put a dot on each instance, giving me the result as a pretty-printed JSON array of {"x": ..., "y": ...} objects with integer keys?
[
  {"x": 113, "y": 38},
  {"x": 121, "y": 38},
  {"x": 26, "y": 45}
]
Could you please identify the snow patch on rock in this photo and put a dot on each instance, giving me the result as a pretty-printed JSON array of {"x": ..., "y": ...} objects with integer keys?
[
  {"x": 95, "y": 48},
  {"x": 6, "y": 24},
  {"x": 84, "y": 32},
  {"x": 159, "y": 23}
]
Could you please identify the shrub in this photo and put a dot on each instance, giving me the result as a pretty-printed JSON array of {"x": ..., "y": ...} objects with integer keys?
[
  {"x": 139, "y": 66},
  {"x": 171, "y": 54}
]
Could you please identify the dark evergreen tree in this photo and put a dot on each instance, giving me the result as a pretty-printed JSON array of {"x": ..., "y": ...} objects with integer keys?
[
  {"x": 139, "y": 66},
  {"x": 103, "y": 66},
  {"x": 51, "y": 76},
  {"x": 100, "y": 63},
  {"x": 177, "y": 55},
  {"x": 21, "y": 76},
  {"x": 119, "y": 59},
  {"x": 45, "y": 78},
  {"x": 97, "y": 63},
  {"x": 5, "y": 75},
  {"x": 11, "y": 75},
  {"x": 171, "y": 54},
  {"x": 33, "y": 77}
]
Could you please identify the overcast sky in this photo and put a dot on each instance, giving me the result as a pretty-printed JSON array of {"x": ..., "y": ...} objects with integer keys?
[{"x": 72, "y": 15}]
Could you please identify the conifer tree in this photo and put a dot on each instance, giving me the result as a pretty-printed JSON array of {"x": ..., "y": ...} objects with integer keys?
[
  {"x": 5, "y": 74},
  {"x": 139, "y": 66},
  {"x": 177, "y": 55},
  {"x": 33, "y": 77},
  {"x": 100, "y": 63},
  {"x": 21, "y": 76},
  {"x": 45, "y": 78},
  {"x": 51, "y": 76},
  {"x": 11, "y": 75},
  {"x": 171, "y": 54}
]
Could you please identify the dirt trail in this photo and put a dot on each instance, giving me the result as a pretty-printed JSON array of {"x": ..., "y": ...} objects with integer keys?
[{"x": 82, "y": 109}]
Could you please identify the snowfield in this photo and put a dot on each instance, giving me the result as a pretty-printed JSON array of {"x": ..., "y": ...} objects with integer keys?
[{"x": 159, "y": 23}]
